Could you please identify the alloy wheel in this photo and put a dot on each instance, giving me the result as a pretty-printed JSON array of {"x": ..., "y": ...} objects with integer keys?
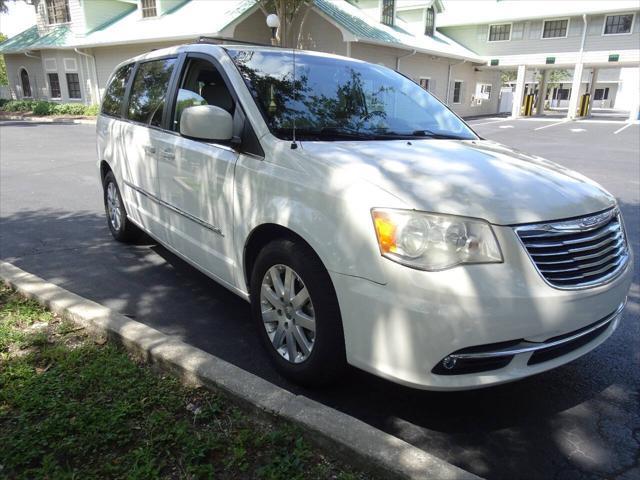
[
  {"x": 114, "y": 209},
  {"x": 287, "y": 313}
]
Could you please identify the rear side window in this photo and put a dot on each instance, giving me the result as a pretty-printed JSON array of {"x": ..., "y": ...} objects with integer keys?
[
  {"x": 149, "y": 91},
  {"x": 114, "y": 95}
]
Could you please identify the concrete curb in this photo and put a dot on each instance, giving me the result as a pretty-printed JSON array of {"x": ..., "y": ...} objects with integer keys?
[
  {"x": 14, "y": 118},
  {"x": 354, "y": 441}
]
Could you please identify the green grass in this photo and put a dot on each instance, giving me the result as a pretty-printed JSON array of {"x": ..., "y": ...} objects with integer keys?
[{"x": 72, "y": 407}]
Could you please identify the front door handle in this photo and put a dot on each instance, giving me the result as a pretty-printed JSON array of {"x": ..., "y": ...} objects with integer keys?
[{"x": 167, "y": 155}]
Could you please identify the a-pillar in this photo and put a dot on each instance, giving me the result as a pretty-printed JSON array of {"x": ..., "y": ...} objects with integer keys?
[
  {"x": 519, "y": 93},
  {"x": 575, "y": 91}
]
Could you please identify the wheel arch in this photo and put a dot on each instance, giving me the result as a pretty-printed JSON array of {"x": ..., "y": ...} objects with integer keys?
[
  {"x": 104, "y": 169},
  {"x": 262, "y": 235}
]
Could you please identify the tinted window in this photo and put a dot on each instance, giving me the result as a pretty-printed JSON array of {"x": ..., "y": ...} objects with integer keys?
[
  {"x": 331, "y": 94},
  {"x": 114, "y": 95},
  {"x": 201, "y": 84},
  {"x": 149, "y": 91}
]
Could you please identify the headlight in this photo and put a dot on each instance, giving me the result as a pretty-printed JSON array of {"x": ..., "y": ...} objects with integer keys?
[{"x": 428, "y": 241}]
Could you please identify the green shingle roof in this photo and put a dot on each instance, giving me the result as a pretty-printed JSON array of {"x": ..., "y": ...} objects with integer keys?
[
  {"x": 30, "y": 39},
  {"x": 353, "y": 24}
]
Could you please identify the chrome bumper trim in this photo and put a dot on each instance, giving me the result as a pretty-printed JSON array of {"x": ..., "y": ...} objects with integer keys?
[{"x": 527, "y": 347}]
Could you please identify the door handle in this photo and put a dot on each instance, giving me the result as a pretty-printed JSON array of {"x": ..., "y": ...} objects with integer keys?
[
  {"x": 149, "y": 150},
  {"x": 167, "y": 155}
]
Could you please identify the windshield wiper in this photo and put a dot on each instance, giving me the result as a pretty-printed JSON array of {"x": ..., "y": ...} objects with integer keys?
[{"x": 430, "y": 134}]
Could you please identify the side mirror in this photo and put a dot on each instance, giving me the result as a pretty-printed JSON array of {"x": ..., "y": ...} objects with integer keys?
[{"x": 206, "y": 122}]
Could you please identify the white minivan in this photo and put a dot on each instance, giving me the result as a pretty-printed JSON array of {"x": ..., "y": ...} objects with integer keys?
[{"x": 364, "y": 221}]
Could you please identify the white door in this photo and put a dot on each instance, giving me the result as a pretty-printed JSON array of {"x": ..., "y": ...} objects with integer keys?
[
  {"x": 196, "y": 179},
  {"x": 144, "y": 115}
]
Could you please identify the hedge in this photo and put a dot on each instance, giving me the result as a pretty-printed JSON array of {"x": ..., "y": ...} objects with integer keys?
[{"x": 43, "y": 108}]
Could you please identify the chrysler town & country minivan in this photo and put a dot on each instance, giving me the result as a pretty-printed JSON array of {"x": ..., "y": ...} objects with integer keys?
[{"x": 364, "y": 221}]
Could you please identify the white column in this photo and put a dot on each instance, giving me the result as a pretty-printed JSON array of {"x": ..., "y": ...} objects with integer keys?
[
  {"x": 575, "y": 91},
  {"x": 542, "y": 92},
  {"x": 592, "y": 87},
  {"x": 518, "y": 94}
]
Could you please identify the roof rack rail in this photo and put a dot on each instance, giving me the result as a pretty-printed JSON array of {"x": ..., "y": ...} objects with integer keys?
[{"x": 221, "y": 40}]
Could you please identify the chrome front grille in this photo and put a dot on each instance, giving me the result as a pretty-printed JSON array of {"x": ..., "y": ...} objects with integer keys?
[{"x": 580, "y": 253}]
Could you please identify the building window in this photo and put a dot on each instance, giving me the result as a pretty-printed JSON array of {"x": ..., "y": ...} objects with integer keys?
[
  {"x": 618, "y": 24},
  {"x": 148, "y": 8},
  {"x": 500, "y": 33},
  {"x": 601, "y": 94},
  {"x": 457, "y": 91},
  {"x": 555, "y": 28},
  {"x": 54, "y": 85},
  {"x": 73, "y": 85},
  {"x": 483, "y": 91},
  {"x": 388, "y": 7},
  {"x": 430, "y": 24},
  {"x": 424, "y": 83},
  {"x": 26, "y": 84},
  {"x": 57, "y": 11}
]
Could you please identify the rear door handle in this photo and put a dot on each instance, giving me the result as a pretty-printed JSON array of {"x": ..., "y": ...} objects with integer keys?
[{"x": 149, "y": 150}]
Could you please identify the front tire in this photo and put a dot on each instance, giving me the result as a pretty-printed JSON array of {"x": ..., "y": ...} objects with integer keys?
[
  {"x": 296, "y": 313},
  {"x": 119, "y": 224}
]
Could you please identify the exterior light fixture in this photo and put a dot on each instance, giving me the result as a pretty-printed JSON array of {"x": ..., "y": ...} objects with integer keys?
[{"x": 273, "y": 22}]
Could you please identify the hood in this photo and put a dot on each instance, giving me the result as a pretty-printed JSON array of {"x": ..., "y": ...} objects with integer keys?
[{"x": 474, "y": 178}]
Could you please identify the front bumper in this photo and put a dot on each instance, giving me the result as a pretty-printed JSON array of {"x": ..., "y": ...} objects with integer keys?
[{"x": 403, "y": 330}]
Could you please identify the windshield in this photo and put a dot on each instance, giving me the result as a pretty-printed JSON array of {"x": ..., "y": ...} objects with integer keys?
[{"x": 335, "y": 98}]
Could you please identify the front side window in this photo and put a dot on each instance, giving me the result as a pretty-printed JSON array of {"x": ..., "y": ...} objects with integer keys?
[
  {"x": 386, "y": 15},
  {"x": 201, "y": 84},
  {"x": 148, "y": 8},
  {"x": 555, "y": 28},
  {"x": 333, "y": 99},
  {"x": 499, "y": 33},
  {"x": 26, "y": 84},
  {"x": 457, "y": 91},
  {"x": 57, "y": 11},
  {"x": 430, "y": 24},
  {"x": 149, "y": 91},
  {"x": 114, "y": 94},
  {"x": 54, "y": 85},
  {"x": 618, "y": 24},
  {"x": 73, "y": 85}
]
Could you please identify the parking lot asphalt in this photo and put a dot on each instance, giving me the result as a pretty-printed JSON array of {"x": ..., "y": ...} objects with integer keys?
[{"x": 579, "y": 421}]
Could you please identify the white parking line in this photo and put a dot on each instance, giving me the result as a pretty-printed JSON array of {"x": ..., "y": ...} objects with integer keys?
[
  {"x": 505, "y": 126},
  {"x": 553, "y": 124},
  {"x": 494, "y": 121},
  {"x": 620, "y": 129}
]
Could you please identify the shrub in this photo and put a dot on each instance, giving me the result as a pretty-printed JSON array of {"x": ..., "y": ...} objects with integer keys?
[
  {"x": 69, "y": 109},
  {"x": 43, "y": 108},
  {"x": 19, "y": 105},
  {"x": 92, "y": 110}
]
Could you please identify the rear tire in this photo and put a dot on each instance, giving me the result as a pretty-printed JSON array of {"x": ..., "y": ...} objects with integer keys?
[
  {"x": 296, "y": 313},
  {"x": 119, "y": 224}
]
